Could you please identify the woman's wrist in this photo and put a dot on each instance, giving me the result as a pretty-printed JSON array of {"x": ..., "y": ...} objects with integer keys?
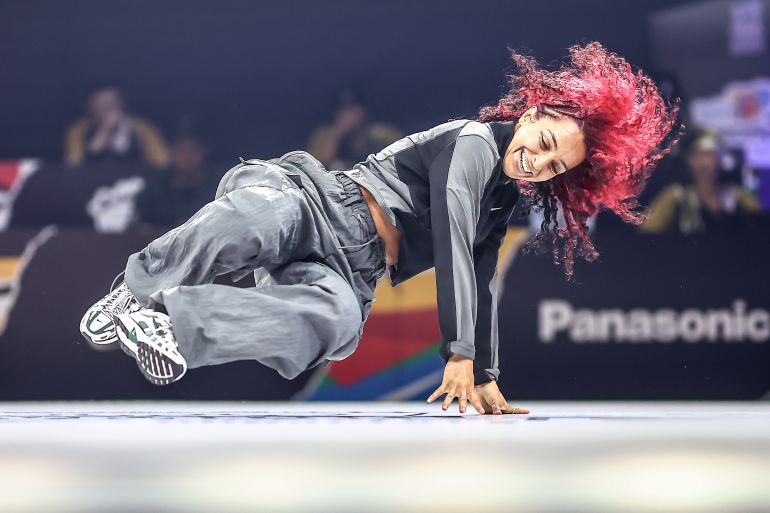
[{"x": 459, "y": 358}]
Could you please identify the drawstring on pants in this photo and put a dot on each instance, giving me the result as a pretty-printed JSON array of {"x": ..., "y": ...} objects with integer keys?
[
  {"x": 336, "y": 175},
  {"x": 121, "y": 273},
  {"x": 374, "y": 238}
]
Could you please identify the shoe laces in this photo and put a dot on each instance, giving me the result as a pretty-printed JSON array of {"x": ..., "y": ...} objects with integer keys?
[{"x": 121, "y": 300}]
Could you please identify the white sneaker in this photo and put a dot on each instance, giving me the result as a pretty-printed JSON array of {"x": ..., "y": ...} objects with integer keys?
[
  {"x": 157, "y": 354},
  {"x": 97, "y": 325}
]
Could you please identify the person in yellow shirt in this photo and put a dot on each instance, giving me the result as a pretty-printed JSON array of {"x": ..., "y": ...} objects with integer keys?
[
  {"x": 352, "y": 136},
  {"x": 704, "y": 202},
  {"x": 110, "y": 134}
]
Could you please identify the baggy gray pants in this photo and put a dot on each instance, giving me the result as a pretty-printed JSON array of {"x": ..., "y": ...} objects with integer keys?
[{"x": 310, "y": 240}]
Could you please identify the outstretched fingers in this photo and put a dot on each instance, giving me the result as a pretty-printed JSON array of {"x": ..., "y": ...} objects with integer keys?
[
  {"x": 435, "y": 394},
  {"x": 447, "y": 399},
  {"x": 463, "y": 402},
  {"x": 476, "y": 402},
  {"x": 507, "y": 408},
  {"x": 450, "y": 396},
  {"x": 463, "y": 398}
]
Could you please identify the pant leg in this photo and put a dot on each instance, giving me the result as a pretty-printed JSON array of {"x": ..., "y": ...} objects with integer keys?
[
  {"x": 311, "y": 314},
  {"x": 306, "y": 313},
  {"x": 255, "y": 226}
]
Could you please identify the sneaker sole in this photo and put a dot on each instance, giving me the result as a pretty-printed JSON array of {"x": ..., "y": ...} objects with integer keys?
[
  {"x": 156, "y": 367},
  {"x": 106, "y": 345},
  {"x": 125, "y": 344}
]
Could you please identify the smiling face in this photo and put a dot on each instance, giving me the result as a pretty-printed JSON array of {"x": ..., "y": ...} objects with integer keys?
[{"x": 543, "y": 147}]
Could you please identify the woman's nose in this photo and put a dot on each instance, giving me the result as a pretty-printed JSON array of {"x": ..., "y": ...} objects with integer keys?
[{"x": 541, "y": 161}]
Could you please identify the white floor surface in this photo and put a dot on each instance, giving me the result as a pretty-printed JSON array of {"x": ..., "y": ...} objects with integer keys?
[{"x": 378, "y": 457}]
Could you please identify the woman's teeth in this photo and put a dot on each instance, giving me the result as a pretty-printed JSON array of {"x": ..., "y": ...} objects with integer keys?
[{"x": 524, "y": 164}]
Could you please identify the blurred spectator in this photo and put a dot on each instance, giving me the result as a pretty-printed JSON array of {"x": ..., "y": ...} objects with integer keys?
[
  {"x": 177, "y": 192},
  {"x": 110, "y": 133},
  {"x": 352, "y": 136},
  {"x": 705, "y": 201}
]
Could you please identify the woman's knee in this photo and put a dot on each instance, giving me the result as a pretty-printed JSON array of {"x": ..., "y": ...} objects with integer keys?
[{"x": 349, "y": 315}]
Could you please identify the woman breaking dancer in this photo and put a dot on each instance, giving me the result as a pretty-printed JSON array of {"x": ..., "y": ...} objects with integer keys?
[{"x": 583, "y": 137}]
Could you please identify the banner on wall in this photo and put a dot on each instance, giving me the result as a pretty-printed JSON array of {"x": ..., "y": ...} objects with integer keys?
[
  {"x": 656, "y": 317},
  {"x": 13, "y": 175},
  {"x": 662, "y": 317},
  {"x": 741, "y": 114},
  {"x": 12, "y": 267},
  {"x": 747, "y": 32}
]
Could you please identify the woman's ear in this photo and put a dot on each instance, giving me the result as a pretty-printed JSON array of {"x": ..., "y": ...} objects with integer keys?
[{"x": 529, "y": 114}]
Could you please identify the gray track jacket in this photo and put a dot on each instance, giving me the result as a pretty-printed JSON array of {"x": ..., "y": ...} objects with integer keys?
[{"x": 444, "y": 189}]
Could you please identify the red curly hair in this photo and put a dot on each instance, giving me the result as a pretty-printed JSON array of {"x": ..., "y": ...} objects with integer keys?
[{"x": 624, "y": 121}]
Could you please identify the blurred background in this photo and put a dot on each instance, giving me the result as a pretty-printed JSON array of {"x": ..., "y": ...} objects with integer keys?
[{"x": 119, "y": 117}]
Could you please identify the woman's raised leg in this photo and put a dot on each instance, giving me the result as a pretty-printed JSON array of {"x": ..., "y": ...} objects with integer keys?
[
  {"x": 250, "y": 227},
  {"x": 308, "y": 315}
]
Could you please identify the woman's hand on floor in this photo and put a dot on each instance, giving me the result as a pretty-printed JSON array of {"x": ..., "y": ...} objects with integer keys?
[
  {"x": 458, "y": 383},
  {"x": 493, "y": 401}
]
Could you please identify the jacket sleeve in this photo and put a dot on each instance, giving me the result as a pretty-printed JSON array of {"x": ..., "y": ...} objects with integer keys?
[
  {"x": 485, "y": 365},
  {"x": 458, "y": 176}
]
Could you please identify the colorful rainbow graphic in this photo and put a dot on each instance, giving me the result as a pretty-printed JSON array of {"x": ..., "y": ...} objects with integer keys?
[{"x": 397, "y": 357}]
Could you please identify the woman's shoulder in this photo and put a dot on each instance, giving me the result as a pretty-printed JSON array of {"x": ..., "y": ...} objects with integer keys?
[
  {"x": 466, "y": 126},
  {"x": 483, "y": 130},
  {"x": 478, "y": 136},
  {"x": 473, "y": 134}
]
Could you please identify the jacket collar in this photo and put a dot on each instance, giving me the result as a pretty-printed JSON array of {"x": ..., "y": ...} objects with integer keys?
[{"x": 502, "y": 131}]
